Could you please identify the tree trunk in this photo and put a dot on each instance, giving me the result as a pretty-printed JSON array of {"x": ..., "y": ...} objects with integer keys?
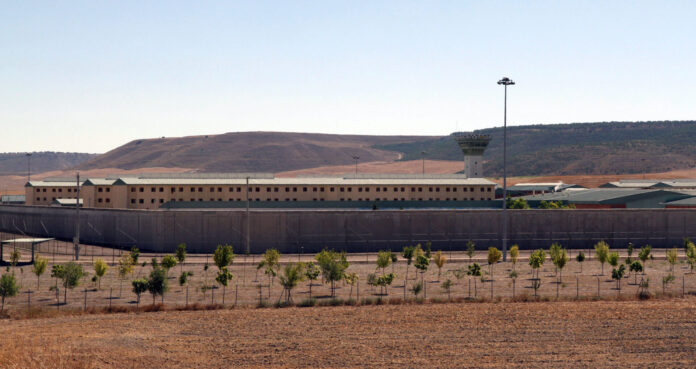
[
  {"x": 3, "y": 304},
  {"x": 153, "y": 299},
  {"x": 65, "y": 295},
  {"x": 310, "y": 289}
]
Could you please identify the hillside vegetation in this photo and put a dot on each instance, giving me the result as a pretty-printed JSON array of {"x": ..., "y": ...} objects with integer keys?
[
  {"x": 578, "y": 148},
  {"x": 250, "y": 151},
  {"x": 16, "y": 163}
]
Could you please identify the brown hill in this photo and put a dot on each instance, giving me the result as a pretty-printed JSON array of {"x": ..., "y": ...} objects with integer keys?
[{"x": 250, "y": 151}]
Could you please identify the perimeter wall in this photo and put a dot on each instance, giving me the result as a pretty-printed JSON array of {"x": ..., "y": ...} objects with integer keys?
[{"x": 292, "y": 231}]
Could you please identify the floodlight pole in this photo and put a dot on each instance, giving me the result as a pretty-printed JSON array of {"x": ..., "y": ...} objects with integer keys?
[
  {"x": 28, "y": 167},
  {"x": 76, "y": 239},
  {"x": 505, "y": 82},
  {"x": 423, "y": 159},
  {"x": 356, "y": 164},
  {"x": 247, "y": 215}
]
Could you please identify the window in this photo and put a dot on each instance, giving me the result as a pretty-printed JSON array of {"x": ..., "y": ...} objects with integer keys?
[
  {"x": 181, "y": 189},
  {"x": 403, "y": 189},
  {"x": 239, "y": 189},
  {"x": 454, "y": 189},
  {"x": 268, "y": 189},
  {"x": 108, "y": 200},
  {"x": 200, "y": 189},
  {"x": 70, "y": 189},
  {"x": 99, "y": 200},
  {"x": 132, "y": 201},
  {"x": 464, "y": 189},
  {"x": 430, "y": 189},
  {"x": 378, "y": 189},
  {"x": 287, "y": 189},
  {"x": 193, "y": 189},
  {"x": 98, "y": 189},
  {"x": 276, "y": 199},
  {"x": 212, "y": 189},
  {"x": 314, "y": 189},
  {"x": 350, "y": 189},
  {"x": 258, "y": 189},
  {"x": 321, "y": 189},
  {"x": 107, "y": 189},
  {"x": 367, "y": 189},
  {"x": 152, "y": 201},
  {"x": 173, "y": 189},
  {"x": 61, "y": 190},
  {"x": 275, "y": 189},
  {"x": 342, "y": 189},
  {"x": 54, "y": 190},
  {"x": 420, "y": 189},
  {"x": 331, "y": 189},
  {"x": 294, "y": 189},
  {"x": 304, "y": 189},
  {"x": 447, "y": 189},
  {"x": 396, "y": 189},
  {"x": 341, "y": 199},
  {"x": 200, "y": 199},
  {"x": 152, "y": 189},
  {"x": 38, "y": 199},
  {"x": 140, "y": 201},
  {"x": 482, "y": 189},
  {"x": 359, "y": 189},
  {"x": 489, "y": 190},
  {"x": 413, "y": 189},
  {"x": 437, "y": 189}
]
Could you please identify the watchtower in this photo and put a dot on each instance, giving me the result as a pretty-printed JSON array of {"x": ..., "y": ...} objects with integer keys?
[{"x": 473, "y": 146}]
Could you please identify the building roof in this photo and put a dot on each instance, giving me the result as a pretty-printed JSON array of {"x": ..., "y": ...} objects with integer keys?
[
  {"x": 605, "y": 195},
  {"x": 308, "y": 181},
  {"x": 27, "y": 240},
  {"x": 98, "y": 182},
  {"x": 51, "y": 184},
  {"x": 689, "y": 201},
  {"x": 630, "y": 184},
  {"x": 65, "y": 202}
]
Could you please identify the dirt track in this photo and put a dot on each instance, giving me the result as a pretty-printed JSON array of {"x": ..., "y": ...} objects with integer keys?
[{"x": 534, "y": 335}]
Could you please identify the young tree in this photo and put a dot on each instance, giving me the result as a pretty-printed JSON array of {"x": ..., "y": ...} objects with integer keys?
[
  {"x": 636, "y": 267},
  {"x": 383, "y": 260},
  {"x": 333, "y": 267},
  {"x": 602, "y": 252},
  {"x": 100, "y": 269},
  {"x": 560, "y": 260},
  {"x": 629, "y": 252},
  {"x": 168, "y": 262},
  {"x": 613, "y": 259},
  {"x": 8, "y": 288},
  {"x": 513, "y": 276},
  {"x": 417, "y": 288},
  {"x": 352, "y": 279},
  {"x": 691, "y": 256},
  {"x": 71, "y": 275},
  {"x": 494, "y": 256},
  {"x": 157, "y": 283},
  {"x": 407, "y": 253},
  {"x": 428, "y": 249},
  {"x": 57, "y": 273},
  {"x": 125, "y": 268},
  {"x": 223, "y": 277},
  {"x": 536, "y": 261},
  {"x": 139, "y": 287},
  {"x": 224, "y": 256},
  {"x": 184, "y": 277},
  {"x": 514, "y": 254},
  {"x": 554, "y": 252},
  {"x": 39, "y": 268},
  {"x": 270, "y": 265},
  {"x": 617, "y": 274},
  {"x": 135, "y": 255},
  {"x": 311, "y": 273},
  {"x": 475, "y": 272},
  {"x": 384, "y": 281},
  {"x": 181, "y": 255},
  {"x": 440, "y": 259},
  {"x": 422, "y": 263},
  {"x": 14, "y": 258},
  {"x": 644, "y": 255},
  {"x": 672, "y": 257},
  {"x": 470, "y": 250},
  {"x": 394, "y": 259},
  {"x": 580, "y": 258},
  {"x": 447, "y": 286}
]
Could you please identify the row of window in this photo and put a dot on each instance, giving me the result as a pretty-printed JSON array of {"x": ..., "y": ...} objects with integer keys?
[
  {"x": 313, "y": 189},
  {"x": 55, "y": 190},
  {"x": 161, "y": 201}
]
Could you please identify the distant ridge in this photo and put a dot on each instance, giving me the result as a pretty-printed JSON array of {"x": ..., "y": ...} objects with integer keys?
[{"x": 16, "y": 163}]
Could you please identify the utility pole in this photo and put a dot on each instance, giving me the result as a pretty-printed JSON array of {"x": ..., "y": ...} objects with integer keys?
[
  {"x": 28, "y": 167},
  {"x": 505, "y": 82},
  {"x": 423, "y": 159},
  {"x": 356, "y": 158},
  {"x": 247, "y": 215},
  {"x": 76, "y": 239}
]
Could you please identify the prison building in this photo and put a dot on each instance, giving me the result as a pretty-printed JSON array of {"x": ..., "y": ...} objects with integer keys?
[{"x": 46, "y": 191}]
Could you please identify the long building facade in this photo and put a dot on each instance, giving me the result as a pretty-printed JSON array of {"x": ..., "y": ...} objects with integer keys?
[{"x": 151, "y": 192}]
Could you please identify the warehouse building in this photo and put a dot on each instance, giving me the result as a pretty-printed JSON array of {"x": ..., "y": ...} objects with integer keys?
[{"x": 615, "y": 198}]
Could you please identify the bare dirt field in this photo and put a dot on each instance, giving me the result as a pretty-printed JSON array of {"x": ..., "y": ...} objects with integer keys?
[{"x": 654, "y": 333}]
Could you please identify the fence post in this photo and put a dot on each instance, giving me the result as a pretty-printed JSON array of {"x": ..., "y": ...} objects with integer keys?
[
  {"x": 597, "y": 286},
  {"x": 683, "y": 284},
  {"x": 491, "y": 288},
  {"x": 577, "y": 287},
  {"x": 85, "y": 306},
  {"x": 557, "y": 287},
  {"x": 236, "y": 291},
  {"x": 187, "y": 288},
  {"x": 357, "y": 293},
  {"x": 111, "y": 290}
]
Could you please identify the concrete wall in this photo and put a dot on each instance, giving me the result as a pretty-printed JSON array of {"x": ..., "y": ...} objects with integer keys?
[{"x": 352, "y": 230}]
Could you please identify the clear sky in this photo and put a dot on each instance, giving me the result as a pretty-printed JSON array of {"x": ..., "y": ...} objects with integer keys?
[{"x": 89, "y": 76}]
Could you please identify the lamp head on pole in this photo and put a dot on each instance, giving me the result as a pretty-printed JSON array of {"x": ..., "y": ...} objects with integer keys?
[{"x": 506, "y": 81}]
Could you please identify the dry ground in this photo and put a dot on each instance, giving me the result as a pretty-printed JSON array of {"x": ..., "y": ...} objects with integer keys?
[{"x": 654, "y": 333}]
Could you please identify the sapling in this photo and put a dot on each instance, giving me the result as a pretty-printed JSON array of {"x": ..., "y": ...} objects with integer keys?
[
  {"x": 100, "y": 269},
  {"x": 139, "y": 287},
  {"x": 8, "y": 288},
  {"x": 672, "y": 256},
  {"x": 352, "y": 279},
  {"x": 168, "y": 262},
  {"x": 470, "y": 249},
  {"x": 580, "y": 258},
  {"x": 447, "y": 286},
  {"x": 311, "y": 273},
  {"x": 602, "y": 253},
  {"x": 407, "y": 253},
  {"x": 644, "y": 255},
  {"x": 39, "y": 268},
  {"x": 636, "y": 267},
  {"x": 181, "y": 255},
  {"x": 617, "y": 274},
  {"x": 514, "y": 254},
  {"x": 439, "y": 259},
  {"x": 494, "y": 256},
  {"x": 474, "y": 271}
]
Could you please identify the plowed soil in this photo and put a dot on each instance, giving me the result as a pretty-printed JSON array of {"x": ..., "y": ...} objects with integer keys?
[{"x": 528, "y": 335}]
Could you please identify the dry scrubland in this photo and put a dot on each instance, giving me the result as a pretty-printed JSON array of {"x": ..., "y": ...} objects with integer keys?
[{"x": 653, "y": 333}]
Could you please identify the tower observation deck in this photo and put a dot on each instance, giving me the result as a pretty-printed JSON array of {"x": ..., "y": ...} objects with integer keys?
[{"x": 473, "y": 146}]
